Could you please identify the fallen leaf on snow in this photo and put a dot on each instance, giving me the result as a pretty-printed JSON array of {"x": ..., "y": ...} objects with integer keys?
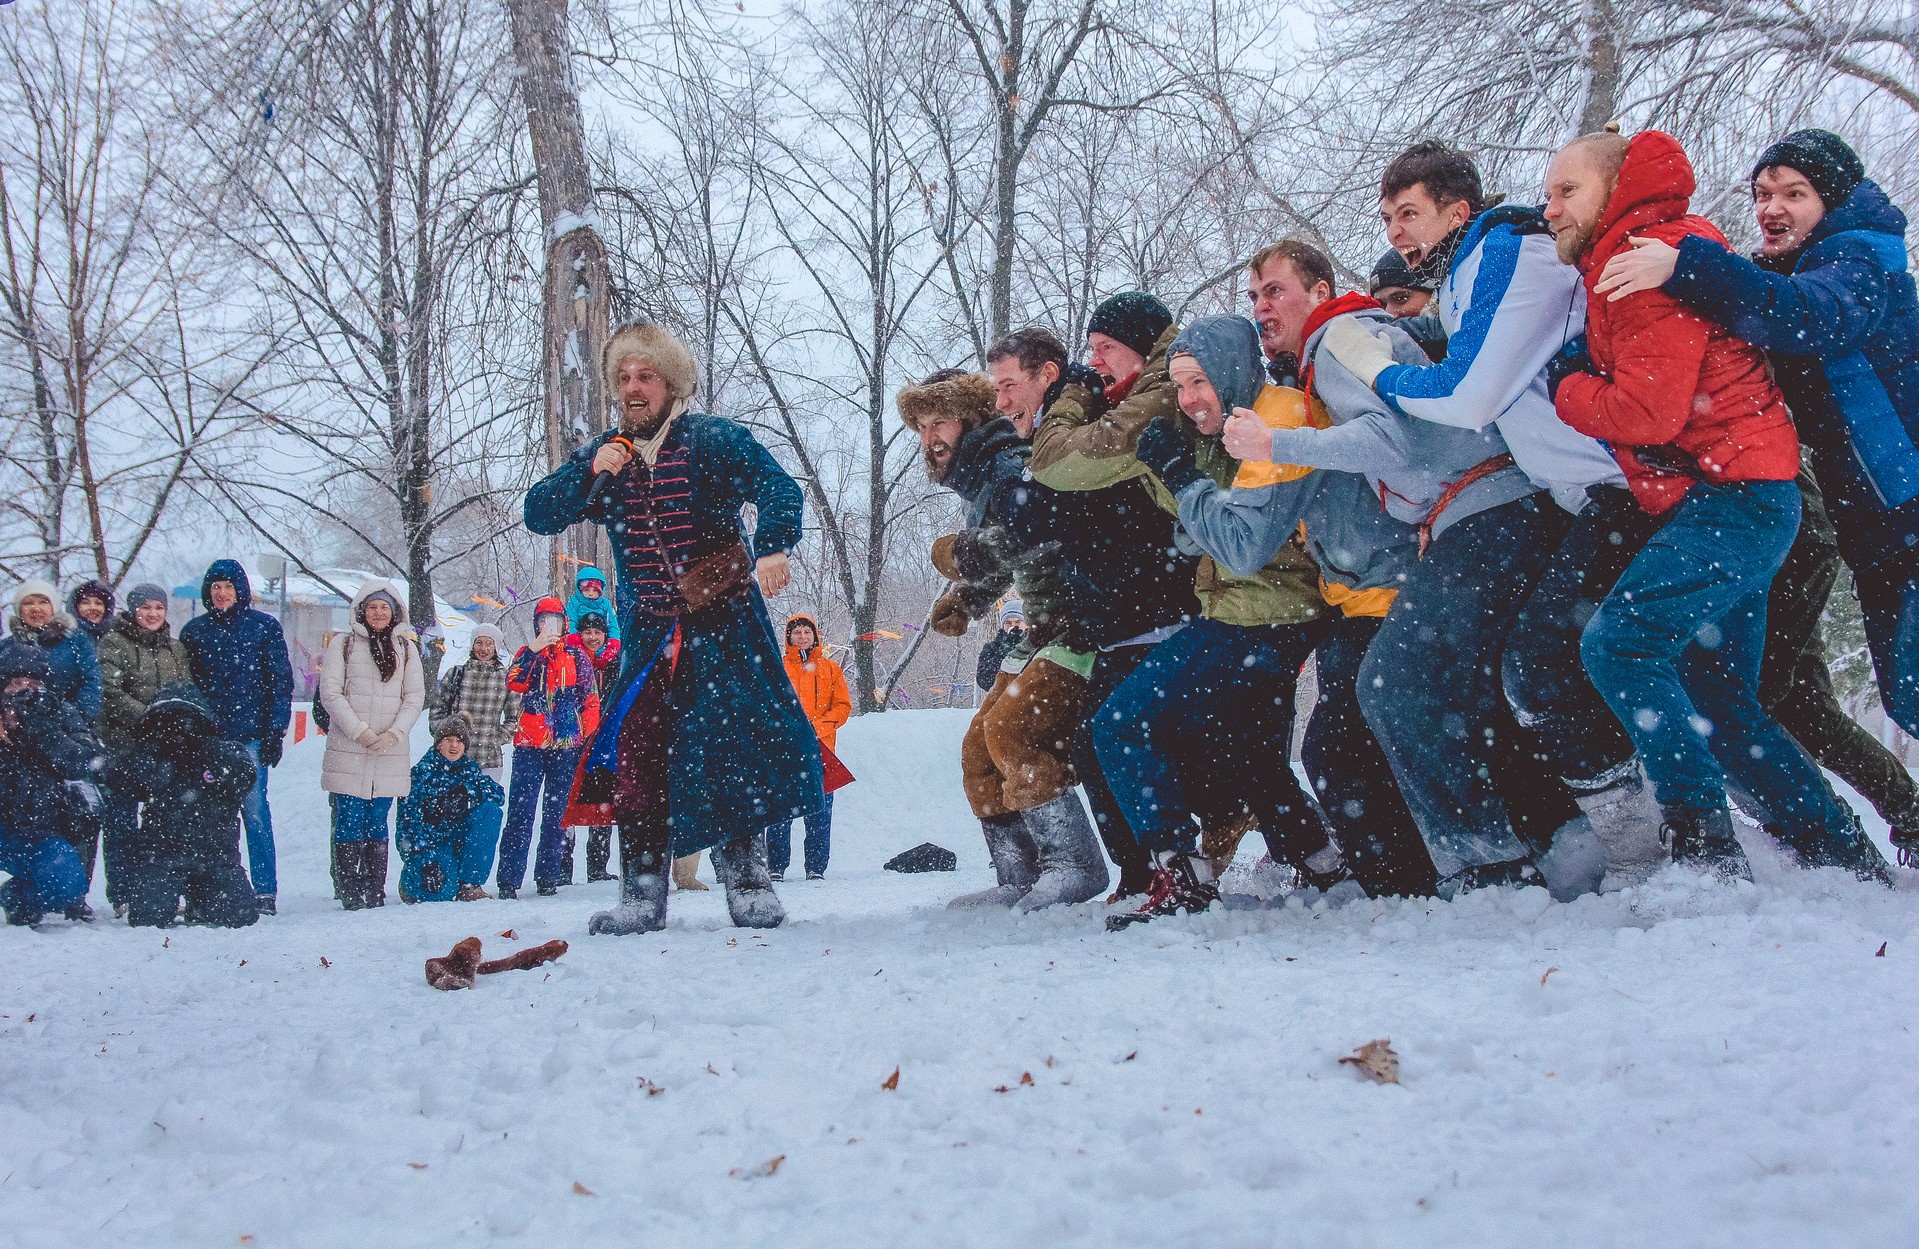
[
  {"x": 1026, "y": 1077},
  {"x": 417, "y": 1166},
  {"x": 1881, "y": 953},
  {"x": 652, "y": 1089},
  {"x": 510, "y": 935},
  {"x": 892, "y": 1081},
  {"x": 325, "y": 961},
  {"x": 770, "y": 1167},
  {"x": 1549, "y": 971},
  {"x": 1376, "y": 1061},
  {"x": 583, "y": 1190}
]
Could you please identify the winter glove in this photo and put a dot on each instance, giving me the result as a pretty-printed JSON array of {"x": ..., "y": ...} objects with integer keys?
[
  {"x": 368, "y": 739},
  {"x": 272, "y": 746},
  {"x": 982, "y": 554},
  {"x": 449, "y": 808},
  {"x": 1569, "y": 361},
  {"x": 949, "y": 616},
  {"x": 388, "y": 741},
  {"x": 1363, "y": 353},
  {"x": 942, "y": 557},
  {"x": 1164, "y": 448}
]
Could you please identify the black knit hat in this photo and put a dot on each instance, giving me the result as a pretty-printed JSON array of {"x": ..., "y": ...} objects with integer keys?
[
  {"x": 1391, "y": 269},
  {"x": 1133, "y": 318},
  {"x": 592, "y": 620},
  {"x": 1828, "y": 162}
]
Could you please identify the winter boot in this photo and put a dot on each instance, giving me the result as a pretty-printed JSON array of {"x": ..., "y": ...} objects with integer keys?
[
  {"x": 741, "y": 866},
  {"x": 1576, "y": 864},
  {"x": 599, "y": 850},
  {"x": 1015, "y": 862},
  {"x": 1324, "y": 869},
  {"x": 685, "y": 874},
  {"x": 1704, "y": 840},
  {"x": 22, "y": 908},
  {"x": 266, "y": 903},
  {"x": 80, "y": 912},
  {"x": 1071, "y": 865},
  {"x": 1626, "y": 818},
  {"x": 1522, "y": 873},
  {"x": 1183, "y": 883},
  {"x": 642, "y": 905},
  {"x": 376, "y": 866},
  {"x": 1855, "y": 852}
]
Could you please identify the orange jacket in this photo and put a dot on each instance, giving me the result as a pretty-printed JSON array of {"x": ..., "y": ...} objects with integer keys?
[{"x": 820, "y": 683}]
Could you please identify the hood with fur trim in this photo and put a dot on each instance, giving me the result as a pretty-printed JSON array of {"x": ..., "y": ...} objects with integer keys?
[{"x": 968, "y": 397}]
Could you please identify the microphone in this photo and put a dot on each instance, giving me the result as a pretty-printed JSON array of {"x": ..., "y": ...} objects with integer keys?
[{"x": 602, "y": 480}]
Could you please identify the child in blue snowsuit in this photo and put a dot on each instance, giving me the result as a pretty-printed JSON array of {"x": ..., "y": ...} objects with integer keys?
[{"x": 449, "y": 821}]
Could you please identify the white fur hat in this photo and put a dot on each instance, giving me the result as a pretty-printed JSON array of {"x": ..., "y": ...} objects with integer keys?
[{"x": 651, "y": 341}]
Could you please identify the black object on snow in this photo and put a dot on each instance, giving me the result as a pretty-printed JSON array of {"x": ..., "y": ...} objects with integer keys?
[{"x": 925, "y": 857}]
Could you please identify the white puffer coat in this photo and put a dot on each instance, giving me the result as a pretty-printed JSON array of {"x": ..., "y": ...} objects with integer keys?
[{"x": 355, "y": 697}]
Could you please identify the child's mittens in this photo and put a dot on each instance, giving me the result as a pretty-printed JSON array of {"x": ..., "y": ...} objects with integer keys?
[
  {"x": 522, "y": 960},
  {"x": 458, "y": 968}
]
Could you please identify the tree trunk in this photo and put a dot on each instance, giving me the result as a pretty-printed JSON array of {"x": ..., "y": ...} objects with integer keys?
[
  {"x": 1602, "y": 67},
  {"x": 576, "y": 310}
]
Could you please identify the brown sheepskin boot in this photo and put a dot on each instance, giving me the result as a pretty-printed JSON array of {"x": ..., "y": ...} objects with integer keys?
[
  {"x": 684, "y": 878},
  {"x": 458, "y": 968}
]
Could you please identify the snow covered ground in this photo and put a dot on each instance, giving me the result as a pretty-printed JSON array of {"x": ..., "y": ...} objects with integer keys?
[{"x": 1675, "y": 1065}]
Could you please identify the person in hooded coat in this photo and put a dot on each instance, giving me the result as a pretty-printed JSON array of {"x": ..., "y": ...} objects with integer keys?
[
  {"x": 707, "y": 743},
  {"x": 46, "y": 750},
  {"x": 1830, "y": 298},
  {"x": 239, "y": 661},
  {"x": 1701, "y": 430},
  {"x": 373, "y": 685},
  {"x": 821, "y": 685},
  {"x": 590, "y": 596},
  {"x": 189, "y": 783},
  {"x": 92, "y": 605},
  {"x": 449, "y": 821},
  {"x": 138, "y": 658}
]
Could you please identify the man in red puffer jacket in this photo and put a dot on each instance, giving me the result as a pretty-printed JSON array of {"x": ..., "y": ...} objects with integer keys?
[{"x": 1701, "y": 431}]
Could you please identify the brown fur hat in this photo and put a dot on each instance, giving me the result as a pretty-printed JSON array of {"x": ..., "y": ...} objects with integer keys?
[
  {"x": 653, "y": 342},
  {"x": 949, "y": 392}
]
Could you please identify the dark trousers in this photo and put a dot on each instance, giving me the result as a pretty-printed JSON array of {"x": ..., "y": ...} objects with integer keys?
[
  {"x": 537, "y": 773},
  {"x": 1889, "y": 598},
  {"x": 1110, "y": 668},
  {"x": 1351, "y": 778},
  {"x": 599, "y": 851},
  {"x": 1210, "y": 692},
  {"x": 819, "y": 841},
  {"x": 1675, "y": 649},
  {"x": 1430, "y": 688},
  {"x": 1795, "y": 683},
  {"x": 119, "y": 827},
  {"x": 214, "y": 884}
]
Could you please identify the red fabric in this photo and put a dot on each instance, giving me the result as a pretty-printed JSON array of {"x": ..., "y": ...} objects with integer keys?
[
  {"x": 1119, "y": 390},
  {"x": 1337, "y": 306},
  {"x": 838, "y": 775},
  {"x": 1668, "y": 377},
  {"x": 548, "y": 606},
  {"x": 563, "y": 671}
]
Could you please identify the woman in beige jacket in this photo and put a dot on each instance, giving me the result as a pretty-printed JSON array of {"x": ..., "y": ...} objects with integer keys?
[{"x": 373, "y": 689}]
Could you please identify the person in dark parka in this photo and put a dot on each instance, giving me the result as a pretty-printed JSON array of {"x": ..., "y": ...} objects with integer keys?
[
  {"x": 46, "y": 750},
  {"x": 138, "y": 658},
  {"x": 705, "y": 743},
  {"x": 239, "y": 659},
  {"x": 190, "y": 783}
]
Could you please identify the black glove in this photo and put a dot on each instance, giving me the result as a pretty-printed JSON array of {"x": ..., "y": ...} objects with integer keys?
[
  {"x": 452, "y": 807},
  {"x": 1570, "y": 361},
  {"x": 272, "y": 746},
  {"x": 1164, "y": 448}
]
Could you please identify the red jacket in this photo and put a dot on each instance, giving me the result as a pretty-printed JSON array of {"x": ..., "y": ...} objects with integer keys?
[{"x": 1668, "y": 378}]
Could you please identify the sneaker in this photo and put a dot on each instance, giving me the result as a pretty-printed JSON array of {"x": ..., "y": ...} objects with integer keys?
[
  {"x": 1704, "y": 840},
  {"x": 816, "y": 876},
  {"x": 1183, "y": 884},
  {"x": 119, "y": 910},
  {"x": 1517, "y": 872},
  {"x": 471, "y": 893},
  {"x": 80, "y": 913},
  {"x": 265, "y": 903},
  {"x": 594, "y": 878},
  {"x": 546, "y": 891},
  {"x": 509, "y": 892},
  {"x": 780, "y": 875}
]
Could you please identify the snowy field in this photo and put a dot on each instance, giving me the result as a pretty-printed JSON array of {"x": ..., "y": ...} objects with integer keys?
[{"x": 1675, "y": 1065}]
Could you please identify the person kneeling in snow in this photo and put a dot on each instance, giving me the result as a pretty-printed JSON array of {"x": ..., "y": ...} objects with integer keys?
[
  {"x": 449, "y": 821},
  {"x": 191, "y": 783},
  {"x": 46, "y": 753}
]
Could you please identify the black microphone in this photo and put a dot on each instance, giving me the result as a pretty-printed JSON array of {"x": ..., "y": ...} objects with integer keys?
[{"x": 602, "y": 480}]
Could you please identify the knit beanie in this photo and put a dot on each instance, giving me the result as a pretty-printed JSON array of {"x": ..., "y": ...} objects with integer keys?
[
  {"x": 44, "y": 589},
  {"x": 145, "y": 592},
  {"x": 1391, "y": 269},
  {"x": 593, "y": 620},
  {"x": 1012, "y": 609},
  {"x": 455, "y": 725},
  {"x": 1828, "y": 162},
  {"x": 1133, "y": 318}
]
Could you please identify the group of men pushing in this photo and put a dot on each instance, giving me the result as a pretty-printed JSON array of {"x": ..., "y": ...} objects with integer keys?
[{"x": 1524, "y": 504}]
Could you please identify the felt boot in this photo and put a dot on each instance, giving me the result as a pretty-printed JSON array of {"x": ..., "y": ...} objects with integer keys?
[
  {"x": 741, "y": 866},
  {"x": 1071, "y": 866},
  {"x": 1015, "y": 863}
]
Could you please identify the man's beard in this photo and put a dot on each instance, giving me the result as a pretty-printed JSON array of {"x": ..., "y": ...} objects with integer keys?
[
  {"x": 1571, "y": 242},
  {"x": 936, "y": 470},
  {"x": 644, "y": 422}
]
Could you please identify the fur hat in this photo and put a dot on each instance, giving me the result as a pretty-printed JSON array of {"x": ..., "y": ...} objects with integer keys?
[
  {"x": 949, "y": 392},
  {"x": 454, "y": 725},
  {"x": 656, "y": 344}
]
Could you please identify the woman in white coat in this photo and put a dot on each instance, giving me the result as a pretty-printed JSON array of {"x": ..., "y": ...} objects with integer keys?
[{"x": 373, "y": 689}]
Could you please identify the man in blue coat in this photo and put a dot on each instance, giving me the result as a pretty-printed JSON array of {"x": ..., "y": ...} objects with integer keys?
[
  {"x": 239, "y": 661},
  {"x": 705, "y": 742},
  {"x": 1830, "y": 299}
]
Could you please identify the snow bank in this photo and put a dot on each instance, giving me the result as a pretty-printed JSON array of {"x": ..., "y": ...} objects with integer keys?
[{"x": 1677, "y": 1065}]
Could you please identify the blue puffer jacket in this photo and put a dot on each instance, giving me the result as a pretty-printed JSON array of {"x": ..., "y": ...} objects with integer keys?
[
  {"x": 239, "y": 660},
  {"x": 71, "y": 655},
  {"x": 1842, "y": 331}
]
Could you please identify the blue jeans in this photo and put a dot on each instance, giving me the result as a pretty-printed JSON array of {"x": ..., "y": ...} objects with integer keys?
[
  {"x": 1675, "y": 651},
  {"x": 1889, "y": 598},
  {"x": 47, "y": 876},
  {"x": 819, "y": 835},
  {"x": 1208, "y": 687},
  {"x": 257, "y": 817},
  {"x": 358, "y": 819},
  {"x": 535, "y": 770},
  {"x": 1430, "y": 689}
]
